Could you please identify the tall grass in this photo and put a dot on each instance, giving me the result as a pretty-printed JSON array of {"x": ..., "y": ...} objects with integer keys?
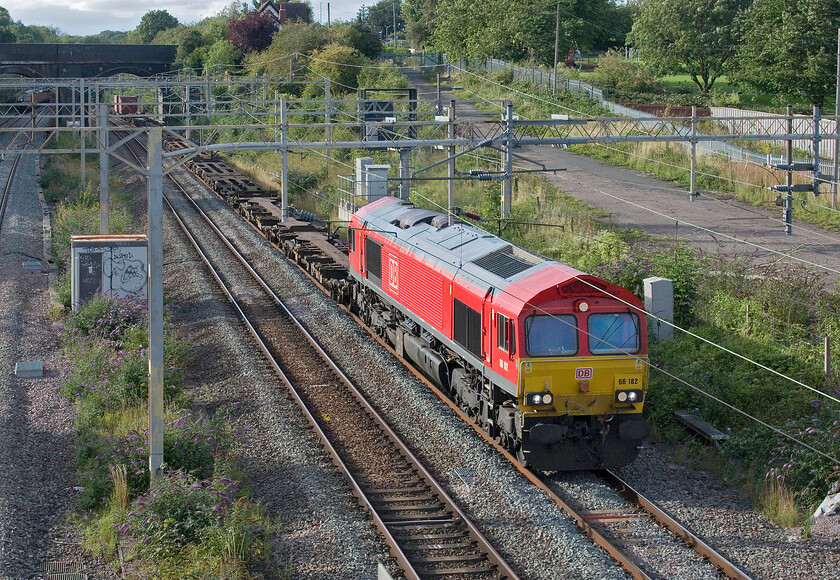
[{"x": 779, "y": 504}]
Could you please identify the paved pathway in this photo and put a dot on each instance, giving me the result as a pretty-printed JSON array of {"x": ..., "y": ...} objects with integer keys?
[{"x": 659, "y": 209}]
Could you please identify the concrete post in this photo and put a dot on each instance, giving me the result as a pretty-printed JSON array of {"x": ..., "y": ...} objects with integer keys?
[
  {"x": 155, "y": 233},
  {"x": 284, "y": 168},
  {"x": 659, "y": 304},
  {"x": 104, "y": 185}
]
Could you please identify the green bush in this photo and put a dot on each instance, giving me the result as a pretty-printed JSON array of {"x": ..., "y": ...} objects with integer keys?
[
  {"x": 504, "y": 76},
  {"x": 203, "y": 525},
  {"x": 684, "y": 268},
  {"x": 625, "y": 79},
  {"x": 78, "y": 214},
  {"x": 58, "y": 184},
  {"x": 106, "y": 340},
  {"x": 191, "y": 445},
  {"x": 628, "y": 272}
]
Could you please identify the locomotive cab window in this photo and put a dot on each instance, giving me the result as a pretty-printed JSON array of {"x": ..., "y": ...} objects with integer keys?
[
  {"x": 614, "y": 333},
  {"x": 505, "y": 333},
  {"x": 351, "y": 239},
  {"x": 554, "y": 335}
]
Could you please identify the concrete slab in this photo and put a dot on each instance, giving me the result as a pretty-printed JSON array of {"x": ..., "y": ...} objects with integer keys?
[{"x": 29, "y": 369}]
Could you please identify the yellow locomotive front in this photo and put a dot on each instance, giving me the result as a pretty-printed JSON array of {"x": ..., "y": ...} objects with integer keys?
[{"x": 582, "y": 382}]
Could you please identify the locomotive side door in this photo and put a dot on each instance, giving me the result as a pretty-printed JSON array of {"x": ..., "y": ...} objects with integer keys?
[
  {"x": 503, "y": 342},
  {"x": 486, "y": 327}
]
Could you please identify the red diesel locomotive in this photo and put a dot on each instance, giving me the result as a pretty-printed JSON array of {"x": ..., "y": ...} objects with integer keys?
[{"x": 549, "y": 360}]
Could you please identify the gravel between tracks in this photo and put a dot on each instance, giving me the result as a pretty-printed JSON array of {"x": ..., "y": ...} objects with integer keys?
[
  {"x": 36, "y": 422},
  {"x": 320, "y": 532}
]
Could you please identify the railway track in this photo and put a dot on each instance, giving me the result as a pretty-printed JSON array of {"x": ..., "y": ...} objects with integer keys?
[
  {"x": 605, "y": 527},
  {"x": 427, "y": 534},
  {"x": 7, "y": 188},
  {"x": 628, "y": 530}
]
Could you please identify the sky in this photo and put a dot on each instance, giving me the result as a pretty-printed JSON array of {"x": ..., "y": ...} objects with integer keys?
[{"x": 85, "y": 17}]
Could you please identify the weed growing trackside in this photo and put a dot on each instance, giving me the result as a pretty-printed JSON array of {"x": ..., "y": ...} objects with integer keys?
[{"x": 197, "y": 521}]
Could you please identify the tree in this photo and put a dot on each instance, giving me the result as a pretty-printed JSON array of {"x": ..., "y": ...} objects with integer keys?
[
  {"x": 7, "y": 33},
  {"x": 292, "y": 39},
  {"x": 252, "y": 32},
  {"x": 153, "y": 22},
  {"x": 359, "y": 36},
  {"x": 800, "y": 60},
  {"x": 341, "y": 64},
  {"x": 696, "y": 37},
  {"x": 419, "y": 21},
  {"x": 35, "y": 33},
  {"x": 222, "y": 55},
  {"x": 520, "y": 29},
  {"x": 381, "y": 16}
]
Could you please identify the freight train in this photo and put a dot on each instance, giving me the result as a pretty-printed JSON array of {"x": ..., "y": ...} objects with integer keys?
[
  {"x": 551, "y": 362},
  {"x": 33, "y": 96}
]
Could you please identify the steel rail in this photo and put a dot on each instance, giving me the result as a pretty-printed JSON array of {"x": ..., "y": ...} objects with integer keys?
[
  {"x": 661, "y": 516},
  {"x": 7, "y": 190}
]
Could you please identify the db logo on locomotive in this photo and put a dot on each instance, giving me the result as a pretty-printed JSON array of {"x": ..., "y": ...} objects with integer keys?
[{"x": 583, "y": 373}]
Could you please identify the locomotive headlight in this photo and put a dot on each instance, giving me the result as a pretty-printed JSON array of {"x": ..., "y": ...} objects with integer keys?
[
  {"x": 629, "y": 396},
  {"x": 538, "y": 399}
]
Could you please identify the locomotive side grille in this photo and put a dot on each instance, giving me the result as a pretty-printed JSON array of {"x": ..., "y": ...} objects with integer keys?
[
  {"x": 467, "y": 327},
  {"x": 508, "y": 261}
]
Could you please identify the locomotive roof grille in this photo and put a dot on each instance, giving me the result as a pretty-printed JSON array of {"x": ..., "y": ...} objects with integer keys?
[
  {"x": 417, "y": 215},
  {"x": 507, "y": 261}
]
